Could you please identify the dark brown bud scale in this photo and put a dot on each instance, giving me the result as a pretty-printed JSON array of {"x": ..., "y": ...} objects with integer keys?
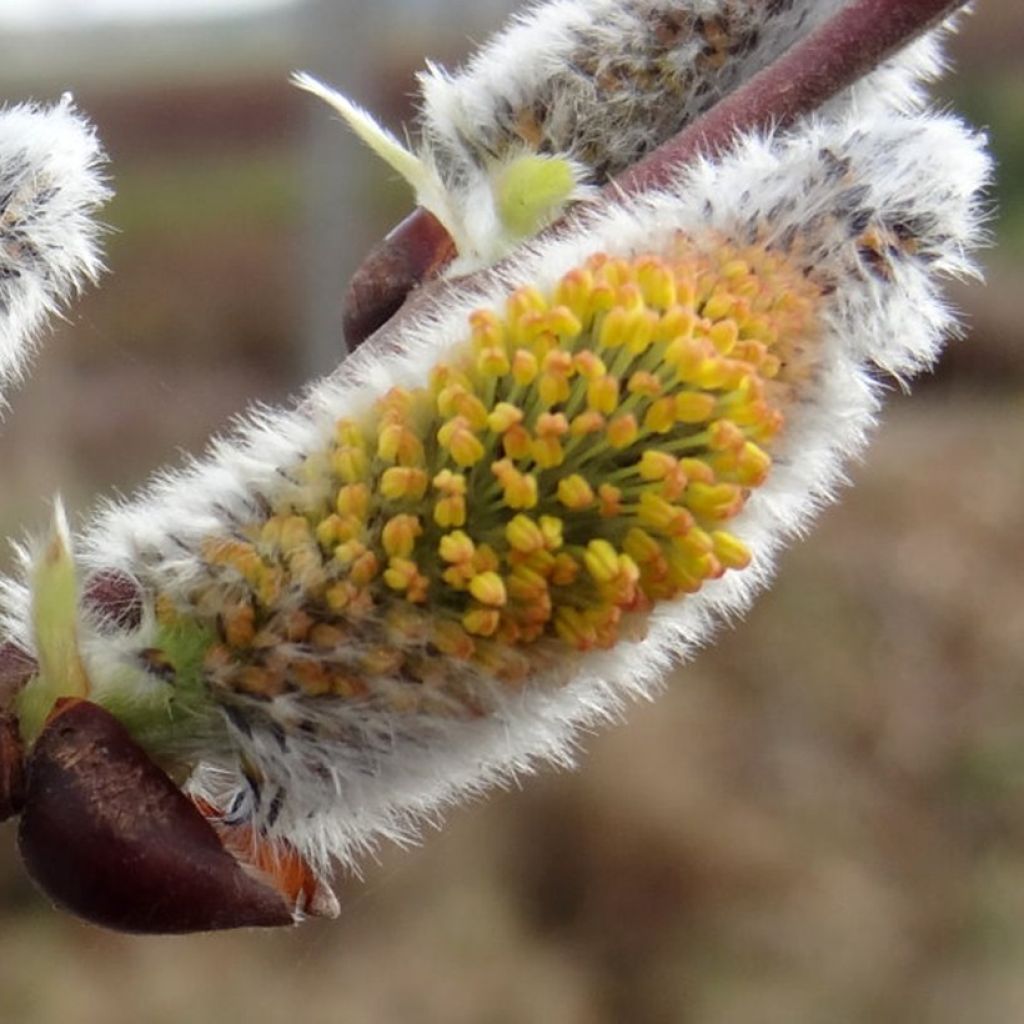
[
  {"x": 12, "y": 768},
  {"x": 417, "y": 249},
  {"x": 107, "y": 835}
]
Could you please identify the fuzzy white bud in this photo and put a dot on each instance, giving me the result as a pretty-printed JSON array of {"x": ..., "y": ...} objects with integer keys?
[{"x": 51, "y": 186}]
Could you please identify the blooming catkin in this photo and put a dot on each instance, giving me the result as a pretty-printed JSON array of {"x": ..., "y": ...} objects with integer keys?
[
  {"x": 50, "y": 188},
  {"x": 453, "y": 555}
]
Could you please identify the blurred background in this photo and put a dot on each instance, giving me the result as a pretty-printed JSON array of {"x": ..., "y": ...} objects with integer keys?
[{"x": 821, "y": 820}]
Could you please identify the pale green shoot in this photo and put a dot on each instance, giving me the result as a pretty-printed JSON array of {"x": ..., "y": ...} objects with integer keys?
[
  {"x": 531, "y": 190},
  {"x": 61, "y": 673}
]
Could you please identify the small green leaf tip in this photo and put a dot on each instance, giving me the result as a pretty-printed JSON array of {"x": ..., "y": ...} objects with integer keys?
[
  {"x": 55, "y": 627},
  {"x": 531, "y": 190}
]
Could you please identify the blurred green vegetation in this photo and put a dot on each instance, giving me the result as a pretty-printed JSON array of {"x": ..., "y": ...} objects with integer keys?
[{"x": 995, "y": 102}]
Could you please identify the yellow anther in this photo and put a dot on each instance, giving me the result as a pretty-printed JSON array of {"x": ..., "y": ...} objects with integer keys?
[
  {"x": 524, "y": 301},
  {"x": 551, "y": 425},
  {"x": 339, "y": 595},
  {"x": 697, "y": 471},
  {"x": 399, "y": 535},
  {"x": 564, "y": 570},
  {"x": 752, "y": 465},
  {"x": 601, "y": 560},
  {"x": 616, "y": 328},
  {"x": 503, "y": 416},
  {"x": 547, "y": 452},
  {"x": 526, "y": 585},
  {"x": 714, "y": 501},
  {"x": 516, "y": 442},
  {"x": 485, "y": 559},
  {"x": 644, "y": 383},
  {"x": 660, "y": 417},
  {"x": 657, "y": 283},
  {"x": 623, "y": 431},
  {"x": 456, "y": 547},
  {"x": 641, "y": 333},
  {"x": 451, "y": 639},
  {"x": 450, "y": 511},
  {"x": 558, "y": 361},
  {"x": 641, "y": 546},
  {"x": 574, "y": 290},
  {"x": 723, "y": 335},
  {"x": 489, "y": 589},
  {"x": 458, "y": 438},
  {"x": 589, "y": 365},
  {"x": 686, "y": 355},
  {"x": 389, "y": 441},
  {"x": 446, "y": 399},
  {"x": 730, "y": 550},
  {"x": 724, "y": 435},
  {"x": 443, "y": 376},
  {"x": 551, "y": 528},
  {"x": 524, "y": 367},
  {"x": 398, "y": 403},
  {"x": 589, "y": 422},
  {"x": 487, "y": 330},
  {"x": 448, "y": 482},
  {"x": 471, "y": 409},
  {"x": 694, "y": 407},
  {"x": 353, "y": 500},
  {"x": 719, "y": 306},
  {"x": 481, "y": 621},
  {"x": 403, "y": 482},
  {"x": 331, "y": 531},
  {"x": 523, "y": 534},
  {"x": 520, "y": 489},
  {"x": 364, "y": 569},
  {"x": 351, "y": 464},
  {"x": 348, "y": 434},
  {"x": 270, "y": 533},
  {"x": 574, "y": 629},
  {"x": 400, "y": 573},
  {"x": 295, "y": 533},
  {"x": 561, "y": 320},
  {"x": 540, "y": 561},
  {"x": 345, "y": 554},
  {"x": 611, "y": 500},
  {"x": 574, "y": 492},
  {"x": 656, "y": 465},
  {"x": 603, "y": 394},
  {"x": 678, "y": 323},
  {"x": 238, "y": 625},
  {"x": 657, "y": 513},
  {"x": 736, "y": 268},
  {"x": 553, "y": 388},
  {"x": 713, "y": 374}
]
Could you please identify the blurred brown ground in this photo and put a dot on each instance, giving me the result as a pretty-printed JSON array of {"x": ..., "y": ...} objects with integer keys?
[{"x": 821, "y": 820}]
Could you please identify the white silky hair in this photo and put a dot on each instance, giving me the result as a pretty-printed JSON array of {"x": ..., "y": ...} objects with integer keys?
[
  {"x": 551, "y": 65},
  {"x": 51, "y": 186},
  {"x": 365, "y": 773},
  {"x": 598, "y": 84}
]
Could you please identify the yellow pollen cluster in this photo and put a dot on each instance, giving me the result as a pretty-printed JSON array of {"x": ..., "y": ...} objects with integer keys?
[{"x": 578, "y": 460}]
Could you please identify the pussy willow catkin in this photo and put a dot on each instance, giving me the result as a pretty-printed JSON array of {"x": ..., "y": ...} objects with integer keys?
[
  {"x": 50, "y": 189},
  {"x": 457, "y": 551}
]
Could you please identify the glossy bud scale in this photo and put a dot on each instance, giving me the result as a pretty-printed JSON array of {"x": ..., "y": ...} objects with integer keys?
[{"x": 107, "y": 835}]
